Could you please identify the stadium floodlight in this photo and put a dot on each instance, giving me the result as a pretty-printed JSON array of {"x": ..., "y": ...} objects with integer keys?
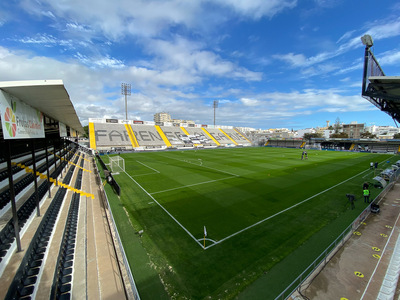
[
  {"x": 367, "y": 40},
  {"x": 126, "y": 90},
  {"x": 215, "y": 107}
]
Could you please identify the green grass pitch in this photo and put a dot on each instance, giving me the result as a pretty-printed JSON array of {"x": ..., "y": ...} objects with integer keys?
[{"x": 268, "y": 215}]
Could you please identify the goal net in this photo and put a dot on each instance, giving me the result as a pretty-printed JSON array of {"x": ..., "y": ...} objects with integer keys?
[{"x": 117, "y": 164}]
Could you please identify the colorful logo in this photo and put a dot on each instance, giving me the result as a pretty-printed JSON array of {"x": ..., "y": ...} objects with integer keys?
[{"x": 9, "y": 118}]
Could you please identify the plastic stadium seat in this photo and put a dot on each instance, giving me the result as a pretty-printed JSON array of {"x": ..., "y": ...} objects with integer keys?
[
  {"x": 67, "y": 271},
  {"x": 30, "y": 280},
  {"x": 65, "y": 296},
  {"x": 65, "y": 279},
  {"x": 65, "y": 288},
  {"x": 24, "y": 291}
]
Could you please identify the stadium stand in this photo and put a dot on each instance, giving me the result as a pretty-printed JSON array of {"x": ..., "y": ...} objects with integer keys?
[
  {"x": 200, "y": 137},
  {"x": 238, "y": 137},
  {"x": 109, "y": 135},
  {"x": 62, "y": 278},
  {"x": 175, "y": 135},
  {"x": 220, "y": 137},
  {"x": 47, "y": 208},
  {"x": 287, "y": 143},
  {"x": 69, "y": 251},
  {"x": 122, "y": 136},
  {"x": 148, "y": 136},
  {"x": 383, "y": 148}
]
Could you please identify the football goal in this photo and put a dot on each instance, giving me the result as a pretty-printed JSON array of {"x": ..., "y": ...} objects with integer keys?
[{"x": 117, "y": 164}]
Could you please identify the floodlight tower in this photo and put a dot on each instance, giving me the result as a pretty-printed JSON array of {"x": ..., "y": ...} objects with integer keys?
[
  {"x": 215, "y": 107},
  {"x": 368, "y": 43},
  {"x": 126, "y": 90}
]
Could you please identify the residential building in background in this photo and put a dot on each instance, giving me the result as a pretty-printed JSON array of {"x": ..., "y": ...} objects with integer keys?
[
  {"x": 383, "y": 132},
  {"x": 163, "y": 117},
  {"x": 353, "y": 130}
]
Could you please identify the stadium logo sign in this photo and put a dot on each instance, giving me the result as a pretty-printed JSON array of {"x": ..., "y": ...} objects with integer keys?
[
  {"x": 20, "y": 120},
  {"x": 9, "y": 119}
]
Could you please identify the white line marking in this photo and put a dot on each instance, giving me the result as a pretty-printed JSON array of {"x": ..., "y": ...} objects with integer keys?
[
  {"x": 187, "y": 231},
  {"x": 182, "y": 187},
  {"x": 282, "y": 211},
  {"x": 366, "y": 175},
  {"x": 244, "y": 229},
  {"x": 152, "y": 173},
  {"x": 186, "y": 161},
  {"x": 207, "y": 239},
  {"x": 148, "y": 167},
  {"x": 380, "y": 259}
]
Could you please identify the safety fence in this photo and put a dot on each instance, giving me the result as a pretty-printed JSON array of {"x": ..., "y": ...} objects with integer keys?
[
  {"x": 320, "y": 262},
  {"x": 118, "y": 238}
]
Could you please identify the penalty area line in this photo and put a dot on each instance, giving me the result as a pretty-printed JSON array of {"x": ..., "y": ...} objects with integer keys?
[
  {"x": 282, "y": 211},
  {"x": 189, "y": 162},
  {"x": 148, "y": 166},
  {"x": 194, "y": 184},
  {"x": 164, "y": 209}
]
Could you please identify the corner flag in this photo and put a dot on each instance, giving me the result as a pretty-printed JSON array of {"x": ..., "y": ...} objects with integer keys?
[{"x": 205, "y": 234}]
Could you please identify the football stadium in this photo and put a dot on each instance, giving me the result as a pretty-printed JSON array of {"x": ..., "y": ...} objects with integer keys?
[{"x": 157, "y": 210}]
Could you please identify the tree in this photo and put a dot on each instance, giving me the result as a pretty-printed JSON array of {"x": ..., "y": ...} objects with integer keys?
[
  {"x": 396, "y": 136},
  {"x": 368, "y": 135},
  {"x": 86, "y": 128},
  {"x": 339, "y": 135},
  {"x": 337, "y": 125},
  {"x": 308, "y": 136}
]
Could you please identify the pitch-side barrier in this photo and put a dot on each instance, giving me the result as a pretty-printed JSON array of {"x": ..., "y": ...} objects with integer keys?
[
  {"x": 320, "y": 262},
  {"x": 117, "y": 237}
]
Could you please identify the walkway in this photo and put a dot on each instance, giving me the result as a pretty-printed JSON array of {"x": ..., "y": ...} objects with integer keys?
[
  {"x": 358, "y": 269},
  {"x": 97, "y": 273}
]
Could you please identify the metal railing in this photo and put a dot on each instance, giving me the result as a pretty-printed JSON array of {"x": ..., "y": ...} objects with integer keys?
[
  {"x": 121, "y": 247},
  {"x": 328, "y": 253}
]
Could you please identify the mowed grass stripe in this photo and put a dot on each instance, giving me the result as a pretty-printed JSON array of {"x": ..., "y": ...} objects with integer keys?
[
  {"x": 227, "y": 206},
  {"x": 175, "y": 174},
  {"x": 233, "y": 205}
]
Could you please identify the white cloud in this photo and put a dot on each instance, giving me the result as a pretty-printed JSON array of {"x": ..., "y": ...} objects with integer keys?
[
  {"x": 249, "y": 102},
  {"x": 258, "y": 8},
  {"x": 317, "y": 64},
  {"x": 189, "y": 56},
  {"x": 146, "y": 18},
  {"x": 96, "y": 93},
  {"x": 100, "y": 62},
  {"x": 390, "y": 58},
  {"x": 384, "y": 29}
]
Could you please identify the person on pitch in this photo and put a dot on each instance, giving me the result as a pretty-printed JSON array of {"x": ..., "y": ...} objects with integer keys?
[{"x": 366, "y": 195}]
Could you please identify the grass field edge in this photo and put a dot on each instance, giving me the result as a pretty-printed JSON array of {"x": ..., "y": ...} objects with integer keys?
[{"x": 146, "y": 278}]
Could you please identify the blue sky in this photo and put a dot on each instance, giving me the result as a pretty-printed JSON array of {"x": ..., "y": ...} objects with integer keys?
[{"x": 271, "y": 64}]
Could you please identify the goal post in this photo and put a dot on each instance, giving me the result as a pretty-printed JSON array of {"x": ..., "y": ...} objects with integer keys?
[{"x": 117, "y": 164}]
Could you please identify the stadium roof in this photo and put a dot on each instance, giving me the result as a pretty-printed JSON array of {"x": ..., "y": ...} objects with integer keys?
[
  {"x": 381, "y": 90},
  {"x": 384, "y": 92},
  {"x": 48, "y": 96}
]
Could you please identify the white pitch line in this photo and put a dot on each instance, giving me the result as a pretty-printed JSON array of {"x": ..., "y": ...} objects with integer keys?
[
  {"x": 282, "y": 211},
  {"x": 148, "y": 167},
  {"x": 201, "y": 166},
  {"x": 240, "y": 231},
  {"x": 152, "y": 173},
  {"x": 379, "y": 261},
  {"x": 173, "y": 218},
  {"x": 182, "y": 187}
]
